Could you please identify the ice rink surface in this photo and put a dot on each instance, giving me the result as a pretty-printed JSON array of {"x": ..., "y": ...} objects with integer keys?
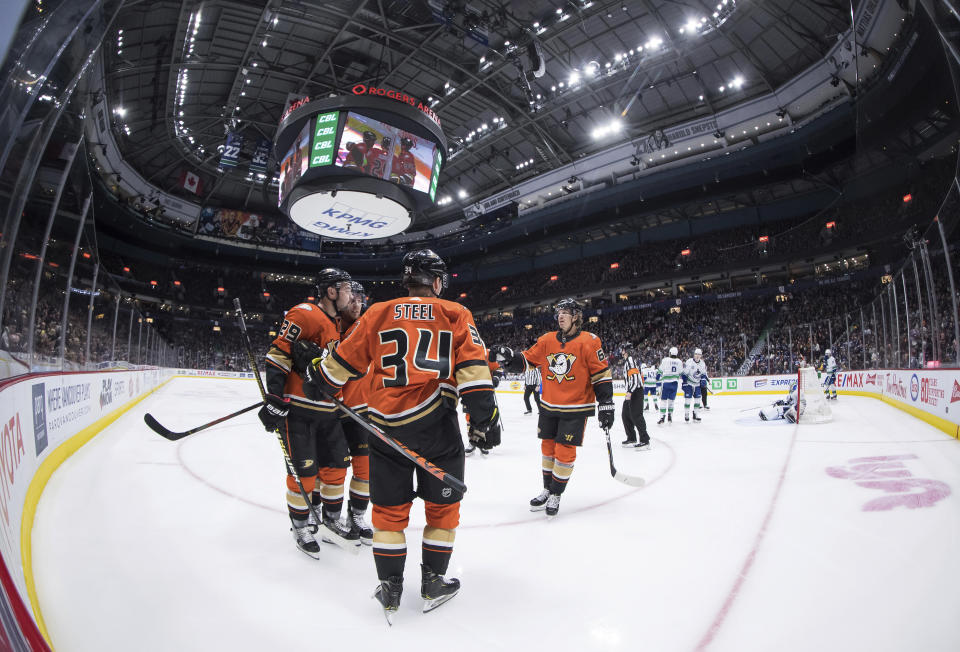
[{"x": 748, "y": 536}]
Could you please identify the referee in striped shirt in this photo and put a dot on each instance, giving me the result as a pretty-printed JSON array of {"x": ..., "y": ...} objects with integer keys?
[
  {"x": 634, "y": 424},
  {"x": 531, "y": 382}
]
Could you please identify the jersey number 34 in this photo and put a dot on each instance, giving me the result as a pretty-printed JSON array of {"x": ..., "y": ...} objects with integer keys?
[{"x": 439, "y": 367}]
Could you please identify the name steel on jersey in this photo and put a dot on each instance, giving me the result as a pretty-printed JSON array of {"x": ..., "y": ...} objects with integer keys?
[{"x": 413, "y": 311}]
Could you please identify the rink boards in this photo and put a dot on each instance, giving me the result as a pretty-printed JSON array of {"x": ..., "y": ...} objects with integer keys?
[{"x": 931, "y": 395}]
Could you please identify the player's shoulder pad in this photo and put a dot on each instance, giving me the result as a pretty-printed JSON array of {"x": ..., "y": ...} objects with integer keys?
[{"x": 303, "y": 306}]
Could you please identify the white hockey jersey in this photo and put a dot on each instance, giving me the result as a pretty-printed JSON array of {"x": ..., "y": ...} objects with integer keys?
[
  {"x": 670, "y": 369},
  {"x": 649, "y": 373},
  {"x": 693, "y": 371},
  {"x": 830, "y": 365}
]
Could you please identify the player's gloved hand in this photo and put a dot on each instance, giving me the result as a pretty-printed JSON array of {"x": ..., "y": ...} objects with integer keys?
[
  {"x": 303, "y": 353},
  {"x": 500, "y": 354},
  {"x": 485, "y": 440},
  {"x": 496, "y": 380},
  {"x": 274, "y": 412},
  {"x": 315, "y": 387},
  {"x": 606, "y": 412}
]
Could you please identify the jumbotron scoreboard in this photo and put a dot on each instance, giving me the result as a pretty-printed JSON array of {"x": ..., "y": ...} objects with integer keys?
[{"x": 360, "y": 166}]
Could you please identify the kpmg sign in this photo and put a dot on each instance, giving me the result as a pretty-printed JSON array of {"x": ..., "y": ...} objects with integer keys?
[{"x": 347, "y": 215}]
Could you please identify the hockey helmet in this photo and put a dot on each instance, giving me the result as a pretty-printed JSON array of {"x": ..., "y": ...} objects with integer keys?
[
  {"x": 673, "y": 350},
  {"x": 827, "y": 352},
  {"x": 406, "y": 143},
  {"x": 697, "y": 353},
  {"x": 385, "y": 141},
  {"x": 369, "y": 137},
  {"x": 420, "y": 267},
  {"x": 330, "y": 277},
  {"x": 570, "y": 304},
  {"x": 358, "y": 292}
]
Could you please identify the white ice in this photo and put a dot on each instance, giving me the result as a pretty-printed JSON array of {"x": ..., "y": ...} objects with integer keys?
[{"x": 741, "y": 540}]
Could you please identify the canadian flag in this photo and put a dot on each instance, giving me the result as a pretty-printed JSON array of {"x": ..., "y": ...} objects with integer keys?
[{"x": 191, "y": 182}]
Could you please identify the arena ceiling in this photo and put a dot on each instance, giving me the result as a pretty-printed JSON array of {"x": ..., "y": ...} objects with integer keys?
[{"x": 521, "y": 87}]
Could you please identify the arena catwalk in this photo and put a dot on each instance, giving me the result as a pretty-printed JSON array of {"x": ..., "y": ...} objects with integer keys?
[{"x": 747, "y": 536}]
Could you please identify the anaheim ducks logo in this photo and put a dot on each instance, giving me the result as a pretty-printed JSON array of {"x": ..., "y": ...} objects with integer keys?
[{"x": 560, "y": 364}]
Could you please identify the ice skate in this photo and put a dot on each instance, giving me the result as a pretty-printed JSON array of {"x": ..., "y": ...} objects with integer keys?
[
  {"x": 388, "y": 595},
  {"x": 539, "y": 503},
  {"x": 553, "y": 505},
  {"x": 435, "y": 589},
  {"x": 470, "y": 450},
  {"x": 669, "y": 418},
  {"x": 642, "y": 447},
  {"x": 686, "y": 418},
  {"x": 303, "y": 533},
  {"x": 696, "y": 418},
  {"x": 339, "y": 533},
  {"x": 627, "y": 443},
  {"x": 359, "y": 525},
  {"x": 660, "y": 422},
  {"x": 529, "y": 412}
]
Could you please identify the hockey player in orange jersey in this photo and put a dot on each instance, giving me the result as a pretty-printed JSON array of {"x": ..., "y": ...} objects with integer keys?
[
  {"x": 310, "y": 427},
  {"x": 575, "y": 373},
  {"x": 355, "y": 396},
  {"x": 421, "y": 352}
]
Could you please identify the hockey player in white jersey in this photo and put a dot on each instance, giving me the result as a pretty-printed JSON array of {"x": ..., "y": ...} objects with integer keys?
[
  {"x": 650, "y": 382},
  {"x": 785, "y": 408},
  {"x": 670, "y": 368},
  {"x": 693, "y": 370},
  {"x": 830, "y": 369}
]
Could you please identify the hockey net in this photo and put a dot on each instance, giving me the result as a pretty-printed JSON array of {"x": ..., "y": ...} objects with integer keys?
[{"x": 812, "y": 406}]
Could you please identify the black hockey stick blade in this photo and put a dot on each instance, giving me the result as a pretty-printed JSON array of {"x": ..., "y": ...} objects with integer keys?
[
  {"x": 166, "y": 433},
  {"x": 632, "y": 480}
]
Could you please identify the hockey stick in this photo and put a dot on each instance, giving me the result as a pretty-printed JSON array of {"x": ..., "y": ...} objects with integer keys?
[
  {"x": 632, "y": 480},
  {"x": 174, "y": 436},
  {"x": 413, "y": 456},
  {"x": 291, "y": 468}
]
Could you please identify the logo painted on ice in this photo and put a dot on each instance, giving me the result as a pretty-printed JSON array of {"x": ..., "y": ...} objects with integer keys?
[
  {"x": 914, "y": 387},
  {"x": 889, "y": 474}
]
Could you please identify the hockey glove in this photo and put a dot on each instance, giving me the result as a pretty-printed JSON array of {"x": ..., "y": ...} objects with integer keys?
[
  {"x": 315, "y": 387},
  {"x": 485, "y": 440},
  {"x": 606, "y": 413},
  {"x": 274, "y": 412},
  {"x": 500, "y": 354},
  {"x": 303, "y": 353}
]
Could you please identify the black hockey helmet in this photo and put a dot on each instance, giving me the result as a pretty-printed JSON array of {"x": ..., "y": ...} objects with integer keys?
[
  {"x": 570, "y": 304},
  {"x": 357, "y": 288},
  {"x": 406, "y": 143},
  {"x": 420, "y": 267},
  {"x": 385, "y": 141},
  {"x": 330, "y": 277},
  {"x": 369, "y": 136}
]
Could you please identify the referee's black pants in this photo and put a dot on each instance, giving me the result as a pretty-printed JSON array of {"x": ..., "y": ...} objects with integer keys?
[
  {"x": 527, "y": 391},
  {"x": 633, "y": 422}
]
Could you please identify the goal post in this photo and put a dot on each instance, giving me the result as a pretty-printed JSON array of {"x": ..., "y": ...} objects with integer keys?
[{"x": 811, "y": 406}]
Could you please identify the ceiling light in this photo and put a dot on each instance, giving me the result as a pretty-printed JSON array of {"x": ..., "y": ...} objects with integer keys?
[
  {"x": 120, "y": 111},
  {"x": 462, "y": 194}
]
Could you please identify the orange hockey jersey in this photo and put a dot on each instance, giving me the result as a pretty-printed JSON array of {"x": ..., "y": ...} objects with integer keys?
[
  {"x": 422, "y": 353},
  {"x": 575, "y": 372},
  {"x": 355, "y": 391},
  {"x": 308, "y": 322}
]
